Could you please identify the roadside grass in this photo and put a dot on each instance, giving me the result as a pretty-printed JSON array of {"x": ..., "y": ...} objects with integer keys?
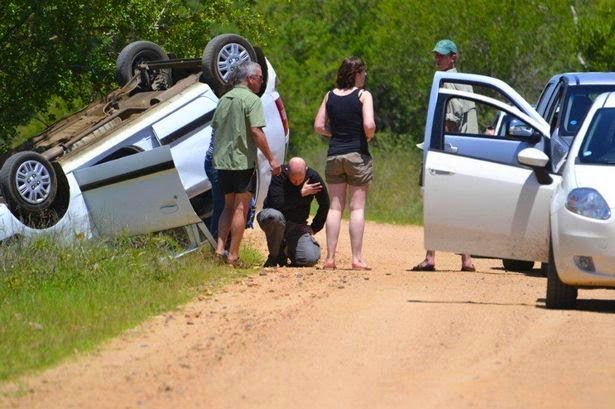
[
  {"x": 394, "y": 195},
  {"x": 58, "y": 299}
]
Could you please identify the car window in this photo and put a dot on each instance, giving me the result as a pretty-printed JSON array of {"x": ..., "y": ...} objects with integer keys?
[
  {"x": 577, "y": 102},
  {"x": 483, "y": 131},
  {"x": 598, "y": 147}
]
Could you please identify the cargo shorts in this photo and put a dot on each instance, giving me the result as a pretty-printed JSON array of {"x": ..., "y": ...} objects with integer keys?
[{"x": 354, "y": 168}]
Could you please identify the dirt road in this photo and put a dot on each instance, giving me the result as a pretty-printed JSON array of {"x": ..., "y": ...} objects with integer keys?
[{"x": 387, "y": 338}]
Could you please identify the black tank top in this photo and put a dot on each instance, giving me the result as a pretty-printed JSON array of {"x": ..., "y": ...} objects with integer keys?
[{"x": 346, "y": 121}]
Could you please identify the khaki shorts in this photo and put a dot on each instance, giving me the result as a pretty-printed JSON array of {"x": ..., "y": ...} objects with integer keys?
[{"x": 352, "y": 168}]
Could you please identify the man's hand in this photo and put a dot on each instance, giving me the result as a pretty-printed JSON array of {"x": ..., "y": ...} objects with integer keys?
[
  {"x": 310, "y": 188},
  {"x": 276, "y": 169}
]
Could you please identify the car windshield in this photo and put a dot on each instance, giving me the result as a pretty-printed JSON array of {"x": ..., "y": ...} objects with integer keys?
[
  {"x": 599, "y": 144},
  {"x": 578, "y": 101}
]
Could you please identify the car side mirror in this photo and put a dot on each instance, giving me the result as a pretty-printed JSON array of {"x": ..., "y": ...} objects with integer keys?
[
  {"x": 518, "y": 129},
  {"x": 533, "y": 158},
  {"x": 537, "y": 160}
]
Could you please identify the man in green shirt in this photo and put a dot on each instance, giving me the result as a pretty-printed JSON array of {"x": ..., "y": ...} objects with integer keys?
[{"x": 238, "y": 123}]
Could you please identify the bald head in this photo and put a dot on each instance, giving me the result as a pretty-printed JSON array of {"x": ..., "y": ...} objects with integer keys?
[{"x": 296, "y": 170}]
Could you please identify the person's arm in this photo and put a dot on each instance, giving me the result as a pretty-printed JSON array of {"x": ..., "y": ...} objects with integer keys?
[
  {"x": 369, "y": 125},
  {"x": 321, "y": 126},
  {"x": 261, "y": 143},
  {"x": 322, "y": 197}
]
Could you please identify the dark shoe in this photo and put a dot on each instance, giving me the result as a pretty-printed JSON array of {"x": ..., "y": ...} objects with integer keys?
[
  {"x": 271, "y": 261},
  {"x": 470, "y": 269},
  {"x": 282, "y": 261},
  {"x": 423, "y": 267}
]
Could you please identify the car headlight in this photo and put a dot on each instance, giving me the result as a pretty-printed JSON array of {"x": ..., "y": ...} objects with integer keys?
[{"x": 589, "y": 203}]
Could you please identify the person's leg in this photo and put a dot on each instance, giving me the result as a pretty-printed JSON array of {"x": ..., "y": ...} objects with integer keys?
[
  {"x": 273, "y": 223},
  {"x": 224, "y": 224},
  {"x": 466, "y": 263},
  {"x": 428, "y": 264},
  {"x": 306, "y": 252},
  {"x": 337, "y": 195},
  {"x": 217, "y": 196},
  {"x": 358, "y": 197},
  {"x": 238, "y": 224}
]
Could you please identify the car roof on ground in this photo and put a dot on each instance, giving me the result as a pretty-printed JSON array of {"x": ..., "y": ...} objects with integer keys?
[{"x": 587, "y": 78}]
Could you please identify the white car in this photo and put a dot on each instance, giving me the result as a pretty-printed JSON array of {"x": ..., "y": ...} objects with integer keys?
[
  {"x": 582, "y": 219},
  {"x": 134, "y": 162},
  {"x": 503, "y": 197}
]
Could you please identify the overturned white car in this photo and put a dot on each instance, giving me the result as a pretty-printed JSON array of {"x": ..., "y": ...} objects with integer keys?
[{"x": 134, "y": 162}]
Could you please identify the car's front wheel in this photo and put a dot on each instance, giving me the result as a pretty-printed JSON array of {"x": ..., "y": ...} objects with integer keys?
[
  {"x": 559, "y": 294},
  {"x": 29, "y": 183}
]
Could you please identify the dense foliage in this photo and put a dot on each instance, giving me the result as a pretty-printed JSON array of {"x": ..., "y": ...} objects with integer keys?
[
  {"x": 67, "y": 48},
  {"x": 523, "y": 43},
  {"x": 61, "y": 50}
]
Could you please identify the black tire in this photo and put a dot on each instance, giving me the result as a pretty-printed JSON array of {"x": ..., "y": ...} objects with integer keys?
[
  {"x": 139, "y": 52},
  {"x": 517, "y": 265},
  {"x": 29, "y": 183},
  {"x": 260, "y": 58},
  {"x": 221, "y": 56},
  {"x": 559, "y": 295}
]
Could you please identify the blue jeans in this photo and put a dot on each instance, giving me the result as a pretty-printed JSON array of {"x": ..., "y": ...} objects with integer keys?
[{"x": 216, "y": 193}]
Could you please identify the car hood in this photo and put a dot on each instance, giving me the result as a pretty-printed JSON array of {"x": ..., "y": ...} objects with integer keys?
[{"x": 599, "y": 177}]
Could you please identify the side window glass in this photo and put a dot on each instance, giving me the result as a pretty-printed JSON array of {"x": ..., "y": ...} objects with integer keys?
[
  {"x": 465, "y": 117},
  {"x": 483, "y": 131}
]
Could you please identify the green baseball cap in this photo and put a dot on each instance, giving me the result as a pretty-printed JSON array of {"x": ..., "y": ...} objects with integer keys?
[{"x": 445, "y": 47}]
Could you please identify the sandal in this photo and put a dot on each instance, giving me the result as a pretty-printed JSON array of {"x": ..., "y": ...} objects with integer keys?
[
  {"x": 237, "y": 263},
  {"x": 423, "y": 267},
  {"x": 470, "y": 268}
]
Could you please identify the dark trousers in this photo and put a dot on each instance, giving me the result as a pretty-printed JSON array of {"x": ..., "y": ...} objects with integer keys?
[{"x": 295, "y": 240}]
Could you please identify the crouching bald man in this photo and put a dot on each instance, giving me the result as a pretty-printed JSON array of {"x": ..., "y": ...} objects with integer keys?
[{"x": 285, "y": 213}]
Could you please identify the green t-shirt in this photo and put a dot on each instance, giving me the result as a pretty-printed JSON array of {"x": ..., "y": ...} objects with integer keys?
[{"x": 238, "y": 111}]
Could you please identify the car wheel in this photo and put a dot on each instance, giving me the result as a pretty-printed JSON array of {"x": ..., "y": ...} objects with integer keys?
[
  {"x": 29, "y": 183},
  {"x": 517, "y": 265},
  {"x": 220, "y": 58},
  {"x": 137, "y": 53},
  {"x": 559, "y": 295}
]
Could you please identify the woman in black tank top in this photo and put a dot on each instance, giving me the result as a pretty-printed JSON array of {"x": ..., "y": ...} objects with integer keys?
[{"x": 346, "y": 117}]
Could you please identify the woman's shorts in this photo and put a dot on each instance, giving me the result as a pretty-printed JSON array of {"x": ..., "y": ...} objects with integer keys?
[
  {"x": 237, "y": 181},
  {"x": 352, "y": 168}
]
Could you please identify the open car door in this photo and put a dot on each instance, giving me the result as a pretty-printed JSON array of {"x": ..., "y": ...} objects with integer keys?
[
  {"x": 137, "y": 194},
  {"x": 478, "y": 198}
]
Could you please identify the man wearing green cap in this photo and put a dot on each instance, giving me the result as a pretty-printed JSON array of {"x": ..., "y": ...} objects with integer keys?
[{"x": 460, "y": 118}]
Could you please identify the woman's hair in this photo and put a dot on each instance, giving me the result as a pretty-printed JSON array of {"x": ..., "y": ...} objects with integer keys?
[{"x": 350, "y": 67}]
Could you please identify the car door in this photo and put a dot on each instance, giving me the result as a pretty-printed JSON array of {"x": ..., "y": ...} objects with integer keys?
[
  {"x": 478, "y": 198},
  {"x": 137, "y": 194}
]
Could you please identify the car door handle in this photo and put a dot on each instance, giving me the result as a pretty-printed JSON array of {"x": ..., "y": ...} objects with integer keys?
[
  {"x": 450, "y": 148},
  {"x": 433, "y": 171}
]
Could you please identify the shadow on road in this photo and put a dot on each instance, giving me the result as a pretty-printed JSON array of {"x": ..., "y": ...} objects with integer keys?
[{"x": 469, "y": 302}]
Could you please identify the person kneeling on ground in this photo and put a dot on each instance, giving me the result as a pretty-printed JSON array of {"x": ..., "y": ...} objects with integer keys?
[{"x": 285, "y": 213}]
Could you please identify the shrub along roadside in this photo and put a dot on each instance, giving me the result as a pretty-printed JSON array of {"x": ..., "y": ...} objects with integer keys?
[{"x": 57, "y": 299}]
